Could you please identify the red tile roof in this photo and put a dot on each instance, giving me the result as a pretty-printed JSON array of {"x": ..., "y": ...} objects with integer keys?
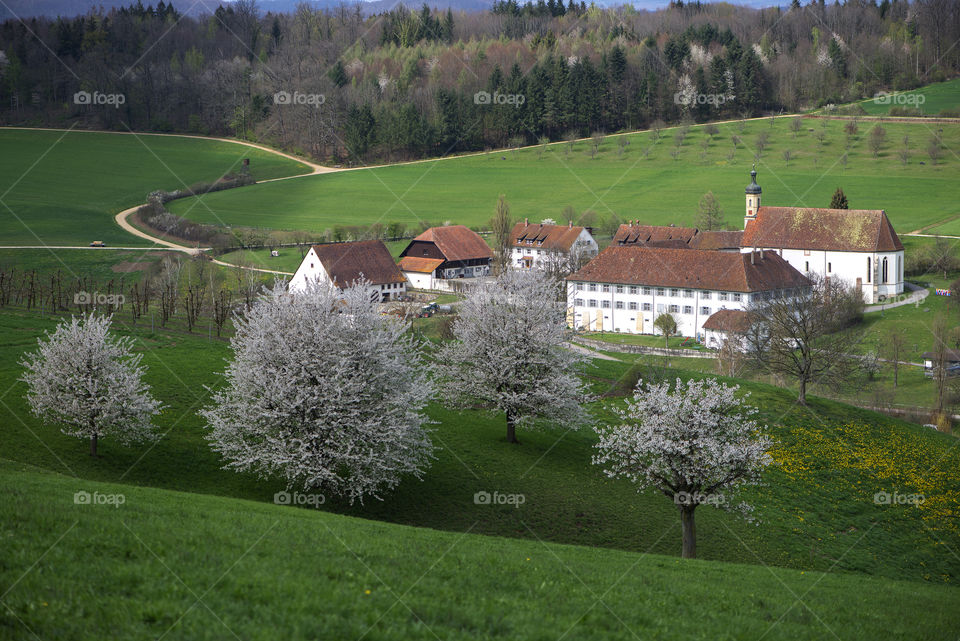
[
  {"x": 720, "y": 240},
  {"x": 347, "y": 263},
  {"x": 728, "y": 320},
  {"x": 419, "y": 264},
  {"x": 557, "y": 237},
  {"x": 690, "y": 268},
  {"x": 457, "y": 242},
  {"x": 855, "y": 230},
  {"x": 630, "y": 234}
]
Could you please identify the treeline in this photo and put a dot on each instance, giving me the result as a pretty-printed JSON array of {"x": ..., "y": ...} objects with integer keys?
[{"x": 343, "y": 87}]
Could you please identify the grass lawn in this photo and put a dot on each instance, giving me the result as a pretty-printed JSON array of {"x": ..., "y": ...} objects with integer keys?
[
  {"x": 290, "y": 257},
  {"x": 656, "y": 189},
  {"x": 674, "y": 342},
  {"x": 99, "y": 265},
  {"x": 808, "y": 520},
  {"x": 63, "y": 188},
  {"x": 936, "y": 97},
  {"x": 182, "y": 566}
]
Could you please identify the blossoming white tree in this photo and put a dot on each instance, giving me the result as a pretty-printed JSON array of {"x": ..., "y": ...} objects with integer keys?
[
  {"x": 90, "y": 382},
  {"x": 696, "y": 444},
  {"x": 323, "y": 391},
  {"x": 508, "y": 353}
]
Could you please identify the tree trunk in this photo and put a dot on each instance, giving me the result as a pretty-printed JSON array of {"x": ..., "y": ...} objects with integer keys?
[
  {"x": 93, "y": 445},
  {"x": 511, "y": 429},
  {"x": 802, "y": 397},
  {"x": 689, "y": 531}
]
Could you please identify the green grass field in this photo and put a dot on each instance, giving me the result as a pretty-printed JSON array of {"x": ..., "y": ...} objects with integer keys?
[
  {"x": 656, "y": 189},
  {"x": 180, "y": 566},
  {"x": 936, "y": 97},
  {"x": 833, "y": 459},
  {"x": 63, "y": 188}
]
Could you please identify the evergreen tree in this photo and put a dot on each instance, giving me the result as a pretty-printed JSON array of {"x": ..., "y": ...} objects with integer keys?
[
  {"x": 839, "y": 200},
  {"x": 338, "y": 74}
]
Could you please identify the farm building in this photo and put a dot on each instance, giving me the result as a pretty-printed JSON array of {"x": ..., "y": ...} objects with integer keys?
[
  {"x": 445, "y": 253},
  {"x": 625, "y": 288},
  {"x": 672, "y": 237},
  {"x": 725, "y": 325},
  {"x": 344, "y": 264},
  {"x": 858, "y": 246}
]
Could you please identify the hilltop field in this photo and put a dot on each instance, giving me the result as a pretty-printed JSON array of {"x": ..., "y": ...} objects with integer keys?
[{"x": 622, "y": 183}]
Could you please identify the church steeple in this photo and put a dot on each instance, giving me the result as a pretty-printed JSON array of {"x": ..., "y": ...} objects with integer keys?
[{"x": 752, "y": 192}]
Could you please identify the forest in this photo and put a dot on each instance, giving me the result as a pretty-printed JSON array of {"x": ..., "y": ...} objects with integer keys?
[{"x": 344, "y": 87}]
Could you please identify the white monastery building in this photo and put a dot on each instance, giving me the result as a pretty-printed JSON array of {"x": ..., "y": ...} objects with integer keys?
[
  {"x": 550, "y": 246},
  {"x": 344, "y": 264},
  {"x": 858, "y": 246},
  {"x": 626, "y": 287}
]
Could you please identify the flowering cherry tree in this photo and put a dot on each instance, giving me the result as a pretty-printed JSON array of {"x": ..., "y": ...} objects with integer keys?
[
  {"x": 696, "y": 444},
  {"x": 90, "y": 382},
  {"x": 325, "y": 392},
  {"x": 508, "y": 353}
]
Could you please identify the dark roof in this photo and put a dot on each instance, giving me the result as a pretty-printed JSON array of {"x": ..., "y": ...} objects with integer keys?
[
  {"x": 951, "y": 355},
  {"x": 753, "y": 187},
  {"x": 856, "y": 230},
  {"x": 663, "y": 235},
  {"x": 347, "y": 263},
  {"x": 456, "y": 242},
  {"x": 419, "y": 264},
  {"x": 735, "y": 321},
  {"x": 691, "y": 268},
  {"x": 720, "y": 240},
  {"x": 559, "y": 237}
]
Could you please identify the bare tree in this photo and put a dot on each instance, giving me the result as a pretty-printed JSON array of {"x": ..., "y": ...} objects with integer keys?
[
  {"x": 807, "y": 334},
  {"x": 894, "y": 344},
  {"x": 709, "y": 213}
]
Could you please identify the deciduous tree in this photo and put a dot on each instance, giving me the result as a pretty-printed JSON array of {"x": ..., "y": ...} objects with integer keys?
[
  {"x": 90, "y": 382},
  {"x": 509, "y": 356},
  {"x": 696, "y": 444},
  {"x": 325, "y": 392}
]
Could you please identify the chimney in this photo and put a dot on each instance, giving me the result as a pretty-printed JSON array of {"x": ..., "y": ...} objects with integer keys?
[
  {"x": 570, "y": 224},
  {"x": 752, "y": 255},
  {"x": 526, "y": 222}
]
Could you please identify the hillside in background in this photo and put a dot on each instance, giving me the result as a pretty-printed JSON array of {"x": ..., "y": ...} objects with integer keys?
[{"x": 344, "y": 86}]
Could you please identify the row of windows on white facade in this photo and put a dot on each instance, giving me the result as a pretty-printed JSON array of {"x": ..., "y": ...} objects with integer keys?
[
  {"x": 646, "y": 307},
  {"x": 674, "y": 292}
]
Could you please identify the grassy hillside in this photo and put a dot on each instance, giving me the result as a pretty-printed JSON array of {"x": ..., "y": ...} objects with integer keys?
[
  {"x": 817, "y": 508},
  {"x": 936, "y": 97},
  {"x": 62, "y": 188},
  {"x": 656, "y": 189},
  {"x": 183, "y": 566}
]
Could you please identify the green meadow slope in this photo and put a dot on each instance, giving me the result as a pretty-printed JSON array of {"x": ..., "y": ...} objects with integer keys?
[
  {"x": 63, "y": 187},
  {"x": 656, "y": 188},
  {"x": 141, "y": 563},
  {"x": 817, "y": 509}
]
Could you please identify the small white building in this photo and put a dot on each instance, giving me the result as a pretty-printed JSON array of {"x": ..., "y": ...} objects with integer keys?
[
  {"x": 727, "y": 325},
  {"x": 858, "y": 246},
  {"x": 556, "y": 247},
  {"x": 344, "y": 264},
  {"x": 626, "y": 287}
]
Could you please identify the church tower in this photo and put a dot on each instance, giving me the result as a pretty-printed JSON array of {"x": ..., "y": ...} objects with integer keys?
[{"x": 753, "y": 198}]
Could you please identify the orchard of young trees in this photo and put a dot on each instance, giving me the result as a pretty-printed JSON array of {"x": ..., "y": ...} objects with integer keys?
[{"x": 410, "y": 84}]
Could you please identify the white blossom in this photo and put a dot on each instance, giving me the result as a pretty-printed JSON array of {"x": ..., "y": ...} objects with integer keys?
[
  {"x": 509, "y": 355},
  {"x": 325, "y": 392},
  {"x": 696, "y": 444},
  {"x": 90, "y": 382}
]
